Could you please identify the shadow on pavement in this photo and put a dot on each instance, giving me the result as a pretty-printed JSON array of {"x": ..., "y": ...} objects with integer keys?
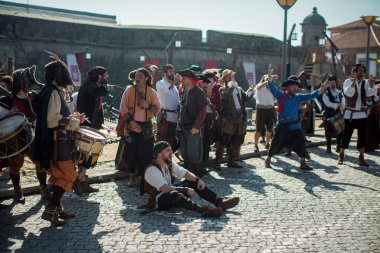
[
  {"x": 164, "y": 222},
  {"x": 77, "y": 234},
  {"x": 11, "y": 229},
  {"x": 246, "y": 177},
  {"x": 313, "y": 180}
]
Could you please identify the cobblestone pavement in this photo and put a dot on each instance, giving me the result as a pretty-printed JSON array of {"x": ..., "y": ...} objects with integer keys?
[{"x": 330, "y": 209}]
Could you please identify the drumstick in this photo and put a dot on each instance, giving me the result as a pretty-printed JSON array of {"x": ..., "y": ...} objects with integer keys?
[{"x": 87, "y": 120}]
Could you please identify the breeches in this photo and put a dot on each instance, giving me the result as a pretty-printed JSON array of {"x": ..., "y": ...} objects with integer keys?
[
  {"x": 293, "y": 139},
  {"x": 63, "y": 174},
  {"x": 349, "y": 126}
]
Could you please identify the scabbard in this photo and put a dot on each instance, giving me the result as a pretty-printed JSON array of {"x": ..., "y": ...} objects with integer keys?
[{"x": 55, "y": 151}]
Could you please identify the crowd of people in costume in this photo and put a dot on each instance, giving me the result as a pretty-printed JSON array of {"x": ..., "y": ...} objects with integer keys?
[{"x": 184, "y": 114}]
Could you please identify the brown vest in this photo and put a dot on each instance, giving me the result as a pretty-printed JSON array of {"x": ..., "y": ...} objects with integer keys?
[
  {"x": 152, "y": 191},
  {"x": 351, "y": 101}
]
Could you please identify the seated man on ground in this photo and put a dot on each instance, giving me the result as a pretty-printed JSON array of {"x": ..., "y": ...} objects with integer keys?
[{"x": 163, "y": 195}]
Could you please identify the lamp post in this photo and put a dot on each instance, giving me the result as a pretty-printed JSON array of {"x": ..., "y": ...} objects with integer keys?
[
  {"x": 286, "y": 5},
  {"x": 292, "y": 36},
  {"x": 369, "y": 21}
]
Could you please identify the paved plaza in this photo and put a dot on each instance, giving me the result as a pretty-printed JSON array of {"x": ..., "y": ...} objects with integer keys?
[{"x": 330, "y": 209}]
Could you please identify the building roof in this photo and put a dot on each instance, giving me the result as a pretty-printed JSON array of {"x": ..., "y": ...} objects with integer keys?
[
  {"x": 354, "y": 35},
  {"x": 314, "y": 19},
  {"x": 24, "y": 9}
]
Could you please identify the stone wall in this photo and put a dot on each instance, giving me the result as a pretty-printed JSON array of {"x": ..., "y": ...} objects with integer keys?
[{"x": 119, "y": 48}]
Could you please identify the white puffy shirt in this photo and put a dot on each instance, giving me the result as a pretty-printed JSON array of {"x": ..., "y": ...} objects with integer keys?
[
  {"x": 169, "y": 99},
  {"x": 349, "y": 91},
  {"x": 156, "y": 178},
  {"x": 263, "y": 96}
]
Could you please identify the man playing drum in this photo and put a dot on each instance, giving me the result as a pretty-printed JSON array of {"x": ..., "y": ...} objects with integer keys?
[
  {"x": 90, "y": 103},
  {"x": 332, "y": 100},
  {"x": 20, "y": 103},
  {"x": 54, "y": 137}
]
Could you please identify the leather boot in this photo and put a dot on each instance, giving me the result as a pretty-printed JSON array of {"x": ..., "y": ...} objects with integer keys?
[
  {"x": 267, "y": 162},
  {"x": 131, "y": 179},
  {"x": 45, "y": 193},
  {"x": 341, "y": 157},
  {"x": 77, "y": 188},
  {"x": 361, "y": 161},
  {"x": 212, "y": 212},
  {"x": 18, "y": 196},
  {"x": 227, "y": 203},
  {"x": 305, "y": 166},
  {"x": 63, "y": 214},
  {"x": 87, "y": 188},
  {"x": 51, "y": 214},
  {"x": 218, "y": 156},
  {"x": 234, "y": 154}
]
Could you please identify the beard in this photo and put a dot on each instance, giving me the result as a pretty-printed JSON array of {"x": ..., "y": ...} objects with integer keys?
[
  {"x": 104, "y": 81},
  {"x": 168, "y": 160},
  {"x": 171, "y": 77}
]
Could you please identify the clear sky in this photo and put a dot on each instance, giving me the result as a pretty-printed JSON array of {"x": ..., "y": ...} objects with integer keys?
[{"x": 248, "y": 16}]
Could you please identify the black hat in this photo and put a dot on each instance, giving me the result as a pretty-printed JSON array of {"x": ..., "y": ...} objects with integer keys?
[
  {"x": 356, "y": 67},
  {"x": 166, "y": 67},
  {"x": 158, "y": 147},
  {"x": 208, "y": 74},
  {"x": 204, "y": 78},
  {"x": 95, "y": 72},
  {"x": 57, "y": 70},
  {"x": 291, "y": 81},
  {"x": 195, "y": 68},
  {"x": 333, "y": 78},
  {"x": 303, "y": 73},
  {"x": 189, "y": 73}
]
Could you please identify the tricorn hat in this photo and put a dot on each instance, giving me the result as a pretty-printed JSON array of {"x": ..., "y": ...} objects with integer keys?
[
  {"x": 225, "y": 73},
  {"x": 189, "y": 73},
  {"x": 292, "y": 80},
  {"x": 303, "y": 73}
]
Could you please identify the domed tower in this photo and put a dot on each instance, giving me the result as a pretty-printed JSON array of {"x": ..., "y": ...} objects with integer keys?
[{"x": 312, "y": 27}]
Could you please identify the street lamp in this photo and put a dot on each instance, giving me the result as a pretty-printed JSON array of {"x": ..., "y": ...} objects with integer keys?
[
  {"x": 292, "y": 36},
  {"x": 369, "y": 21},
  {"x": 286, "y": 5}
]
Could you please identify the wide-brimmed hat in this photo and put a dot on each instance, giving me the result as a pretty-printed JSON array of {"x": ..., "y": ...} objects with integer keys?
[
  {"x": 196, "y": 68},
  {"x": 204, "y": 78},
  {"x": 189, "y": 73},
  {"x": 303, "y": 73},
  {"x": 292, "y": 80},
  {"x": 215, "y": 71},
  {"x": 225, "y": 73}
]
